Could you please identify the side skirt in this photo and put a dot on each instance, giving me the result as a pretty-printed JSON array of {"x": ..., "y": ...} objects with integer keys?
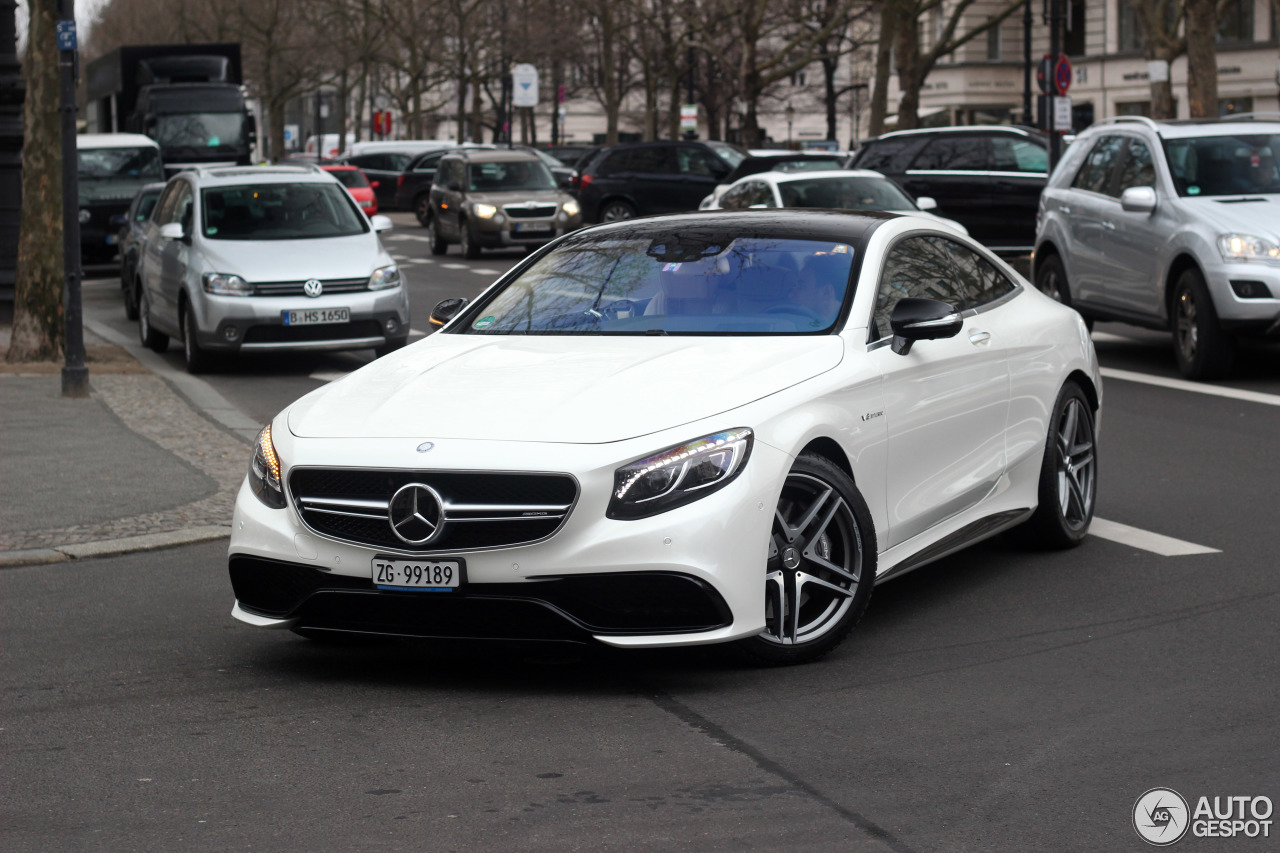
[{"x": 970, "y": 534}]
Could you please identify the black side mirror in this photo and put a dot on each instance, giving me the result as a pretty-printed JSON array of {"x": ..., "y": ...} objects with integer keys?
[
  {"x": 446, "y": 310},
  {"x": 922, "y": 320}
]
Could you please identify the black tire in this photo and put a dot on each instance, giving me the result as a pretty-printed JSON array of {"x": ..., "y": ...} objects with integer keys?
[
  {"x": 391, "y": 346},
  {"x": 617, "y": 210},
  {"x": 198, "y": 360},
  {"x": 467, "y": 241},
  {"x": 1068, "y": 486},
  {"x": 130, "y": 292},
  {"x": 1051, "y": 280},
  {"x": 827, "y": 560},
  {"x": 1203, "y": 350},
  {"x": 422, "y": 209},
  {"x": 435, "y": 239},
  {"x": 151, "y": 339}
]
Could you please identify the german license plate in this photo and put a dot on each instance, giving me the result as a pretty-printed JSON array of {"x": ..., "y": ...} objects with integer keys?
[
  {"x": 421, "y": 575},
  {"x": 533, "y": 227},
  {"x": 316, "y": 316}
]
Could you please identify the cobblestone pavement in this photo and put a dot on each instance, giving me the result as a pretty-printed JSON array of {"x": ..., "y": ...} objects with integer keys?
[{"x": 147, "y": 406}]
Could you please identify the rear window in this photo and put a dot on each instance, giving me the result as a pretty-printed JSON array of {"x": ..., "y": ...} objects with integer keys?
[
  {"x": 350, "y": 178},
  {"x": 279, "y": 212}
]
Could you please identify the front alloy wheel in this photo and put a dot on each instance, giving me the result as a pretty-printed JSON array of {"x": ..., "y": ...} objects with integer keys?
[
  {"x": 1068, "y": 476},
  {"x": 821, "y": 565}
]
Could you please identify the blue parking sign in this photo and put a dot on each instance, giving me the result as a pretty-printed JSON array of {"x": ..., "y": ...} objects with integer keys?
[{"x": 66, "y": 35}]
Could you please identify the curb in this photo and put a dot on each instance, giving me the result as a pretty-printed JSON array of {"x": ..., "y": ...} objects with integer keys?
[{"x": 113, "y": 547}]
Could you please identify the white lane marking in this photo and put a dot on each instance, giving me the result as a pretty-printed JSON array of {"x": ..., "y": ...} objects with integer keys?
[
  {"x": 417, "y": 333},
  {"x": 1107, "y": 337},
  {"x": 484, "y": 271},
  {"x": 455, "y": 266},
  {"x": 1165, "y": 546},
  {"x": 1195, "y": 387},
  {"x": 417, "y": 237},
  {"x": 328, "y": 375}
]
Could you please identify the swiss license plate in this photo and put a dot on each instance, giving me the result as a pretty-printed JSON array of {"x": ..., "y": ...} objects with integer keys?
[
  {"x": 423, "y": 575},
  {"x": 533, "y": 227},
  {"x": 316, "y": 316}
]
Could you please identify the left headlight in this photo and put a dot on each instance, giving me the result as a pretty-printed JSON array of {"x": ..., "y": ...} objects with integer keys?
[
  {"x": 384, "y": 278},
  {"x": 679, "y": 475},
  {"x": 1246, "y": 247},
  {"x": 264, "y": 471},
  {"x": 484, "y": 211},
  {"x": 571, "y": 208}
]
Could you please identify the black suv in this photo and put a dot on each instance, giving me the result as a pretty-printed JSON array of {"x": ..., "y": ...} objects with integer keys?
[
  {"x": 644, "y": 178},
  {"x": 987, "y": 178},
  {"x": 413, "y": 185}
]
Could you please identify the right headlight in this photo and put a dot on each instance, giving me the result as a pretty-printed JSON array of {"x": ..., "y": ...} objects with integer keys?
[
  {"x": 679, "y": 475},
  {"x": 225, "y": 284},
  {"x": 1246, "y": 247},
  {"x": 484, "y": 211},
  {"x": 264, "y": 471}
]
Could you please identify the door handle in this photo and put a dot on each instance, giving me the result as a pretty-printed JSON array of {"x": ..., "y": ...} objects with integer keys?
[
  {"x": 1064, "y": 209},
  {"x": 980, "y": 339},
  {"x": 1110, "y": 226}
]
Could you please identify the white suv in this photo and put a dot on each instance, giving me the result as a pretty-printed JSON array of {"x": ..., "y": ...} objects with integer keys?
[
  {"x": 243, "y": 259},
  {"x": 1169, "y": 225}
]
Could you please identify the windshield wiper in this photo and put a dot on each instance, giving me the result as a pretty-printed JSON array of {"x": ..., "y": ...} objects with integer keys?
[{"x": 656, "y": 332}]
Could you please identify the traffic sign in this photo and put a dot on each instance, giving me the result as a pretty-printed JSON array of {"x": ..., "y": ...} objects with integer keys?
[
  {"x": 66, "y": 35},
  {"x": 524, "y": 85},
  {"x": 689, "y": 117},
  {"x": 1062, "y": 74}
]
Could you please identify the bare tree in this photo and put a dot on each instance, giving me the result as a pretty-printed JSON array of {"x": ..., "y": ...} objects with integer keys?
[
  {"x": 1161, "y": 22},
  {"x": 37, "y": 305}
]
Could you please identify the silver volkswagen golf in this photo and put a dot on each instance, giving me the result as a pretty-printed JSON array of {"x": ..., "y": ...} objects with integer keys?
[{"x": 241, "y": 259}]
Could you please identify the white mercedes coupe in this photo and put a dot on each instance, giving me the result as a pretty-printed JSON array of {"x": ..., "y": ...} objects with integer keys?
[{"x": 705, "y": 428}]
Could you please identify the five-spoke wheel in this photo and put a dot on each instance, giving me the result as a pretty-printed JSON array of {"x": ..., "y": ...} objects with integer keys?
[{"x": 1068, "y": 475}]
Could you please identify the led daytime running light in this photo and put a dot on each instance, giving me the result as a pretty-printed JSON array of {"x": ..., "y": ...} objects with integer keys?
[{"x": 269, "y": 452}]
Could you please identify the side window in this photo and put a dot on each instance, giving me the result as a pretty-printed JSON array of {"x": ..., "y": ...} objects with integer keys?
[
  {"x": 918, "y": 267},
  {"x": 695, "y": 161},
  {"x": 1018, "y": 155},
  {"x": 965, "y": 153},
  {"x": 891, "y": 155},
  {"x": 426, "y": 164},
  {"x": 182, "y": 208},
  {"x": 615, "y": 161},
  {"x": 736, "y": 198},
  {"x": 980, "y": 279},
  {"x": 655, "y": 160},
  {"x": 1138, "y": 170},
  {"x": 396, "y": 162},
  {"x": 165, "y": 204},
  {"x": 146, "y": 204},
  {"x": 444, "y": 172},
  {"x": 1095, "y": 174},
  {"x": 760, "y": 193}
]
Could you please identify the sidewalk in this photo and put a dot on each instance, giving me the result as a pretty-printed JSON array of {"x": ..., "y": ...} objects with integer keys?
[{"x": 133, "y": 467}]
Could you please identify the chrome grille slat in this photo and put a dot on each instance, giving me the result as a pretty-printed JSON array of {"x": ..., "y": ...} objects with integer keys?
[{"x": 295, "y": 288}]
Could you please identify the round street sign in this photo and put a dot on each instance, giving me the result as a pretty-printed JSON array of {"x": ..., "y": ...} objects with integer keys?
[{"x": 1062, "y": 74}]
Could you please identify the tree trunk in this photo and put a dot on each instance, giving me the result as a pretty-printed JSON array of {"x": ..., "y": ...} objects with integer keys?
[
  {"x": 37, "y": 304},
  {"x": 880, "y": 88},
  {"x": 1202, "y": 59},
  {"x": 609, "y": 73},
  {"x": 344, "y": 101},
  {"x": 276, "y": 112},
  {"x": 907, "y": 49},
  {"x": 829, "y": 93},
  {"x": 1162, "y": 106}
]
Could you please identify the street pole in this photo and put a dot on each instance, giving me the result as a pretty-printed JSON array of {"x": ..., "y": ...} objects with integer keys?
[
  {"x": 1055, "y": 48},
  {"x": 75, "y": 375},
  {"x": 1027, "y": 117},
  {"x": 319, "y": 129}
]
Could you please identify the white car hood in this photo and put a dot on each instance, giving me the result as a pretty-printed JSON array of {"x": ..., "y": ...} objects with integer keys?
[
  {"x": 1258, "y": 216},
  {"x": 578, "y": 390},
  {"x": 356, "y": 256}
]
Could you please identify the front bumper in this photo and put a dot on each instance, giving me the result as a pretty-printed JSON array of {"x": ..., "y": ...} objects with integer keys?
[
  {"x": 1246, "y": 315},
  {"x": 503, "y": 231},
  {"x": 688, "y": 576},
  {"x": 255, "y": 323}
]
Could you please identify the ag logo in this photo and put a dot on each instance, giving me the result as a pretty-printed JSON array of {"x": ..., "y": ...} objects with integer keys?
[
  {"x": 1160, "y": 816},
  {"x": 313, "y": 287}
]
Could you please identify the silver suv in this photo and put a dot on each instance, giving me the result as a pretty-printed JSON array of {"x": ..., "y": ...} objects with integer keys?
[
  {"x": 241, "y": 259},
  {"x": 1169, "y": 225}
]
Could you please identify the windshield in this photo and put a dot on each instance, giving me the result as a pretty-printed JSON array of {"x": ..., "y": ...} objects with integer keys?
[
  {"x": 279, "y": 212},
  {"x": 1225, "y": 165},
  {"x": 727, "y": 153},
  {"x": 619, "y": 285},
  {"x": 199, "y": 130},
  {"x": 509, "y": 175},
  {"x": 349, "y": 178},
  {"x": 116, "y": 174},
  {"x": 851, "y": 193}
]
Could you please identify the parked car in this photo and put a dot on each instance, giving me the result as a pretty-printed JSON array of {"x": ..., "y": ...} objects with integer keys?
[
  {"x": 384, "y": 169},
  {"x": 254, "y": 259},
  {"x": 129, "y": 241},
  {"x": 360, "y": 187},
  {"x": 790, "y": 161},
  {"x": 1171, "y": 226},
  {"x": 719, "y": 427},
  {"x": 643, "y": 178},
  {"x": 413, "y": 184},
  {"x": 842, "y": 189},
  {"x": 568, "y": 154},
  {"x": 496, "y": 198},
  {"x": 987, "y": 178}
]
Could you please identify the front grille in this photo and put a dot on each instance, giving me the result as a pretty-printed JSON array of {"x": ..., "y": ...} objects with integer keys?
[
  {"x": 480, "y": 509},
  {"x": 281, "y": 334},
  {"x": 542, "y": 211},
  {"x": 572, "y": 607},
  {"x": 295, "y": 288}
]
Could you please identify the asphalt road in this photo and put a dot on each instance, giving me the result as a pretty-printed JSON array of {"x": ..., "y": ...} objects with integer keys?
[{"x": 999, "y": 699}]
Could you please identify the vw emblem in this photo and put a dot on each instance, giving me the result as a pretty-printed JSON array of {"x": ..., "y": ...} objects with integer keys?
[
  {"x": 313, "y": 287},
  {"x": 416, "y": 514},
  {"x": 425, "y": 446}
]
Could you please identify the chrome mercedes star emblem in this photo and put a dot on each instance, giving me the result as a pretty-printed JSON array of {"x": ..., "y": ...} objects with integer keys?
[
  {"x": 313, "y": 287},
  {"x": 415, "y": 513}
]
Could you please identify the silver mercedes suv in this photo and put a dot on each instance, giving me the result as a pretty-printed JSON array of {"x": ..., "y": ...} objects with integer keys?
[
  {"x": 253, "y": 259},
  {"x": 1170, "y": 225}
]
